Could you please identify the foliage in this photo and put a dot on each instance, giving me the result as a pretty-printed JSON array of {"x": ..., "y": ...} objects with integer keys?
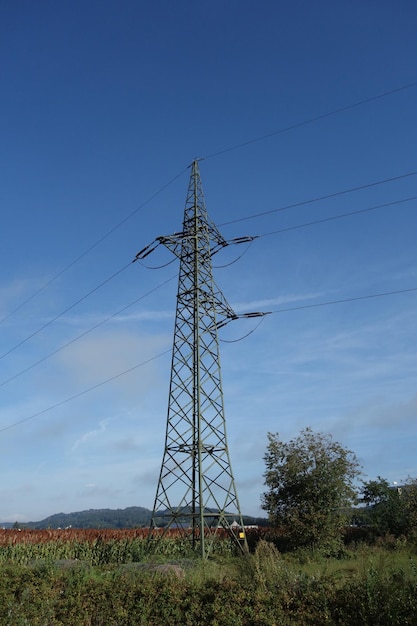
[
  {"x": 385, "y": 513},
  {"x": 410, "y": 497},
  {"x": 310, "y": 482},
  {"x": 391, "y": 510},
  {"x": 97, "y": 547},
  {"x": 372, "y": 586}
]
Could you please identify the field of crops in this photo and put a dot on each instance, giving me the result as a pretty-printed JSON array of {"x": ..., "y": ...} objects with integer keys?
[
  {"x": 99, "y": 547},
  {"x": 14, "y": 536}
]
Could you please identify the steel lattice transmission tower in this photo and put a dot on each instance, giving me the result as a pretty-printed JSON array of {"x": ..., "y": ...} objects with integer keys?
[{"x": 196, "y": 492}]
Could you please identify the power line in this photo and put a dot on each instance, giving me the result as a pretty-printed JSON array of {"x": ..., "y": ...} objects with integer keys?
[
  {"x": 92, "y": 247},
  {"x": 337, "y": 217},
  {"x": 311, "y": 120},
  {"x": 318, "y": 198},
  {"x": 157, "y": 356},
  {"x": 343, "y": 300}
]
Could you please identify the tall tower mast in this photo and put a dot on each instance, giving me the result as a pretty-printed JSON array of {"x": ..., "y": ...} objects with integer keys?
[{"x": 196, "y": 492}]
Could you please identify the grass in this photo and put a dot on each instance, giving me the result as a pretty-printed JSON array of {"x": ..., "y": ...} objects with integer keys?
[{"x": 357, "y": 562}]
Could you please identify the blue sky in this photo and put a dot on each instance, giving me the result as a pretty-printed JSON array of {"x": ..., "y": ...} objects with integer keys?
[{"x": 103, "y": 107}]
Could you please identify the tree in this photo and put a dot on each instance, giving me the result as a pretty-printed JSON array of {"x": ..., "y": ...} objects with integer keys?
[
  {"x": 385, "y": 507},
  {"x": 310, "y": 483},
  {"x": 391, "y": 509}
]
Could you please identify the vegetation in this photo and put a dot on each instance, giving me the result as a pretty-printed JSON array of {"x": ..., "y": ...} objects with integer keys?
[
  {"x": 310, "y": 485},
  {"x": 390, "y": 509},
  {"x": 109, "y": 587}
]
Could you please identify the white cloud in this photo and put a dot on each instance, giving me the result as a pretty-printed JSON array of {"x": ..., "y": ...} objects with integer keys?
[
  {"x": 278, "y": 301},
  {"x": 107, "y": 354},
  {"x": 97, "y": 319},
  {"x": 92, "y": 434},
  {"x": 16, "y": 291}
]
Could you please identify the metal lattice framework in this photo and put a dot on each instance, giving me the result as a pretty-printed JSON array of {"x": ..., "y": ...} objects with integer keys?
[{"x": 196, "y": 492}]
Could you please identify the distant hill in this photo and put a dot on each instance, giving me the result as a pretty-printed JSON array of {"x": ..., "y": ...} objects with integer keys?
[{"x": 131, "y": 517}]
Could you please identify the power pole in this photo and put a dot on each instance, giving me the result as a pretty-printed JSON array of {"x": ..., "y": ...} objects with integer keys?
[{"x": 196, "y": 492}]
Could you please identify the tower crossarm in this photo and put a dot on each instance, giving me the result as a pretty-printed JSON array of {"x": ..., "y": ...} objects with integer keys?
[{"x": 174, "y": 242}]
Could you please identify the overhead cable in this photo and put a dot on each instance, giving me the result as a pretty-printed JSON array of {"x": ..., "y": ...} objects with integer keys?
[
  {"x": 338, "y": 217},
  {"x": 344, "y": 300},
  {"x": 311, "y": 120},
  {"x": 318, "y": 198}
]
